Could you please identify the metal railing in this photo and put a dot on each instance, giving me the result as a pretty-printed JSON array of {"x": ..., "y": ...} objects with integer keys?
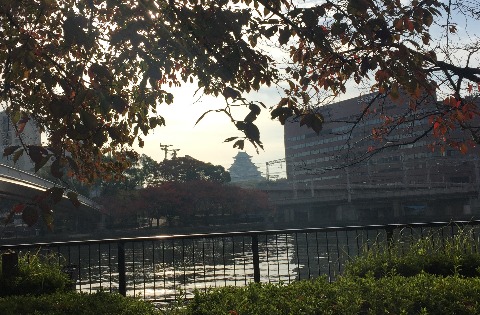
[{"x": 162, "y": 268}]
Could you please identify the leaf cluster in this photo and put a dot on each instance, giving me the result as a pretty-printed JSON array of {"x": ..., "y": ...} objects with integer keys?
[
  {"x": 101, "y": 303},
  {"x": 420, "y": 294},
  {"x": 37, "y": 274},
  {"x": 429, "y": 277},
  {"x": 191, "y": 203},
  {"x": 434, "y": 254},
  {"x": 92, "y": 73}
]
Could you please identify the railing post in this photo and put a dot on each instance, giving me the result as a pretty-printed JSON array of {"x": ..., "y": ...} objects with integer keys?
[
  {"x": 122, "y": 287},
  {"x": 256, "y": 259},
  {"x": 10, "y": 264}
]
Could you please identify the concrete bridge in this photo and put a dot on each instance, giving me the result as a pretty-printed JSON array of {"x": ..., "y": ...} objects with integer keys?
[
  {"x": 23, "y": 186},
  {"x": 374, "y": 204}
]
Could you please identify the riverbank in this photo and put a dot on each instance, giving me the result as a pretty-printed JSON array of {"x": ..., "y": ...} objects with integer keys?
[{"x": 132, "y": 233}]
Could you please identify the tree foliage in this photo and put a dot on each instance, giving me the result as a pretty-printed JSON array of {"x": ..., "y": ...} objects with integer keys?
[
  {"x": 92, "y": 73},
  {"x": 186, "y": 169},
  {"x": 148, "y": 172},
  {"x": 187, "y": 203}
]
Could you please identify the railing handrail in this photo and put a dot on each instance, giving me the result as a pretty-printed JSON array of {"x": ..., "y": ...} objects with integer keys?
[{"x": 241, "y": 233}]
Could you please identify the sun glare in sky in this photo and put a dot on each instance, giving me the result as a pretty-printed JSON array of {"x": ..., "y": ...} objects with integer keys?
[{"x": 205, "y": 140}]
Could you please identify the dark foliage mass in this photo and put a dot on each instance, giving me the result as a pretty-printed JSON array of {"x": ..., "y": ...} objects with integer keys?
[
  {"x": 186, "y": 204},
  {"x": 91, "y": 73}
]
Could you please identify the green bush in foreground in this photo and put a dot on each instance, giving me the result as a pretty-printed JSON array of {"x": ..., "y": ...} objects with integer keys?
[
  {"x": 37, "y": 274},
  {"x": 66, "y": 303},
  {"x": 433, "y": 254},
  {"x": 420, "y": 294}
]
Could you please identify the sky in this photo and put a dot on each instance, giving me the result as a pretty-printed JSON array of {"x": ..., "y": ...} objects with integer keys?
[{"x": 205, "y": 141}]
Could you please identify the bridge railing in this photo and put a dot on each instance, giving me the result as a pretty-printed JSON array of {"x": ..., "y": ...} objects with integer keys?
[{"x": 161, "y": 268}]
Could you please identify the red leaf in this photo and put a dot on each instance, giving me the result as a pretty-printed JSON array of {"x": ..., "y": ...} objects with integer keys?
[
  {"x": 21, "y": 124},
  {"x": 470, "y": 88},
  {"x": 408, "y": 24},
  {"x": 18, "y": 208}
]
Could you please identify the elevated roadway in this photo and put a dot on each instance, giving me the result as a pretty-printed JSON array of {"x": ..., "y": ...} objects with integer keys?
[
  {"x": 23, "y": 186},
  {"x": 372, "y": 204}
]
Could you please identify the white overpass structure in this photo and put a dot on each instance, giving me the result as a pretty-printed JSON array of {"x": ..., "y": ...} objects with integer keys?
[{"x": 23, "y": 186}]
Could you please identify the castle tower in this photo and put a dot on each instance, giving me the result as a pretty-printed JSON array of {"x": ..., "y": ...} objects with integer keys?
[{"x": 243, "y": 169}]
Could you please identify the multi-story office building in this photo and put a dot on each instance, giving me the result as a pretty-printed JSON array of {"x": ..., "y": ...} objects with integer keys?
[
  {"x": 342, "y": 152},
  {"x": 335, "y": 179},
  {"x": 9, "y": 137}
]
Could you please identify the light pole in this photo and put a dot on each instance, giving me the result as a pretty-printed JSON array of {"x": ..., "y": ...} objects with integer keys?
[
  {"x": 174, "y": 154},
  {"x": 164, "y": 147}
]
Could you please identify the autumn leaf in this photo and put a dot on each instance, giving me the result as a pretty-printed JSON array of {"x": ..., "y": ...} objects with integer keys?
[
  {"x": 408, "y": 24},
  {"x": 21, "y": 124},
  {"x": 18, "y": 208},
  {"x": 10, "y": 150},
  {"x": 470, "y": 88}
]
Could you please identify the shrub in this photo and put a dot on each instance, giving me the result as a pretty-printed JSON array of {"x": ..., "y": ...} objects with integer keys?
[
  {"x": 419, "y": 294},
  {"x": 433, "y": 254},
  {"x": 37, "y": 274},
  {"x": 66, "y": 303}
]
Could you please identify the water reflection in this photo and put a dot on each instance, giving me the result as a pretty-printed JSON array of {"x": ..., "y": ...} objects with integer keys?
[{"x": 165, "y": 269}]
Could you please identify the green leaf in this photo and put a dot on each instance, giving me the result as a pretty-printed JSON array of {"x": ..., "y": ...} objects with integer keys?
[
  {"x": 17, "y": 155},
  {"x": 60, "y": 107},
  {"x": 56, "y": 169},
  {"x": 252, "y": 133},
  {"x": 49, "y": 220},
  {"x": 42, "y": 162},
  {"x": 73, "y": 198},
  {"x": 99, "y": 138},
  {"x": 36, "y": 153},
  {"x": 254, "y": 112},
  {"x": 313, "y": 121},
  {"x": 56, "y": 193},
  {"x": 89, "y": 120}
]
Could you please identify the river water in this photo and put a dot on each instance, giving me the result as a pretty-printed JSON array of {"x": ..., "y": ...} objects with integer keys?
[{"x": 168, "y": 269}]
